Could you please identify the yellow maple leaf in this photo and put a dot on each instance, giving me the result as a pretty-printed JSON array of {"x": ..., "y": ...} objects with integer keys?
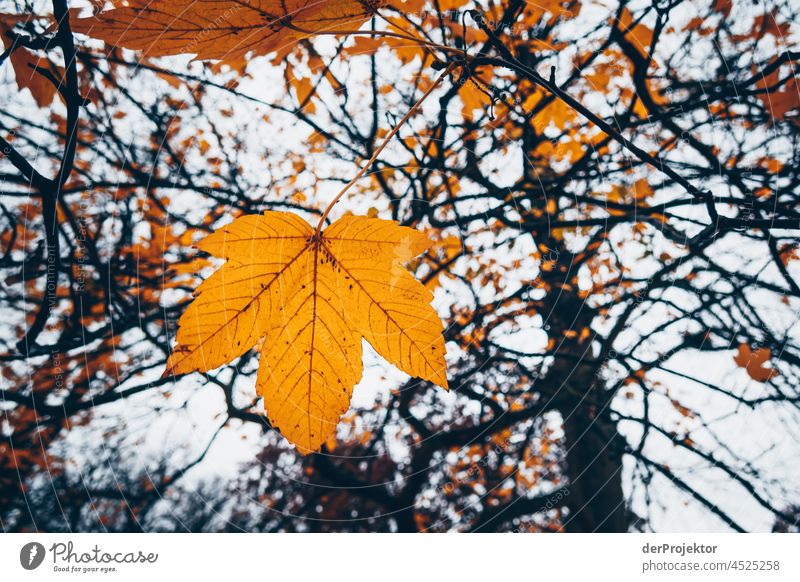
[
  {"x": 311, "y": 298},
  {"x": 222, "y": 29}
]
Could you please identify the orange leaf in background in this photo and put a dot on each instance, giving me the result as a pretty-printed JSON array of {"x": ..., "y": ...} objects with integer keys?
[
  {"x": 222, "y": 29},
  {"x": 724, "y": 7},
  {"x": 311, "y": 298},
  {"x": 448, "y": 249},
  {"x": 639, "y": 35},
  {"x": 779, "y": 98},
  {"x": 364, "y": 45},
  {"x": 788, "y": 253},
  {"x": 753, "y": 362},
  {"x": 445, "y": 5}
]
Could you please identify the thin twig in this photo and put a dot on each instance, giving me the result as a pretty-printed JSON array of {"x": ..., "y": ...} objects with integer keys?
[{"x": 383, "y": 145}]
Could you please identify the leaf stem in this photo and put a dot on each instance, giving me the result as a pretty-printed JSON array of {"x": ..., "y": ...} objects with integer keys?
[{"x": 383, "y": 145}]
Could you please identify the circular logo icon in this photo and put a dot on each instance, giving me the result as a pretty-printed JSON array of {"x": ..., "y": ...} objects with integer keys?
[{"x": 31, "y": 555}]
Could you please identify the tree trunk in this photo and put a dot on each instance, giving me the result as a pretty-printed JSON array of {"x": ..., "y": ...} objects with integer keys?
[{"x": 594, "y": 467}]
